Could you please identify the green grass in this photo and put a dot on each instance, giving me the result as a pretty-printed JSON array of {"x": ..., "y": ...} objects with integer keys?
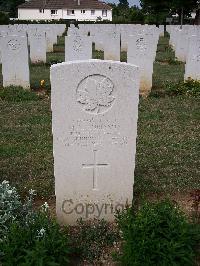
[
  {"x": 164, "y": 51},
  {"x": 97, "y": 54},
  {"x": 26, "y": 145},
  {"x": 166, "y": 69},
  {"x": 123, "y": 57},
  {"x": 38, "y": 73},
  {"x": 168, "y": 151}
]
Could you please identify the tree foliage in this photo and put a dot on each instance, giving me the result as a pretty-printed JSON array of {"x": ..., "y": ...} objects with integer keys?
[
  {"x": 123, "y": 4},
  {"x": 159, "y": 10},
  {"x": 4, "y": 18},
  {"x": 153, "y": 11},
  {"x": 10, "y": 6},
  {"x": 122, "y": 14}
]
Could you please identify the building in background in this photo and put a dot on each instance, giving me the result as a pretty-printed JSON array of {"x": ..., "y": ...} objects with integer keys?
[{"x": 80, "y": 10}]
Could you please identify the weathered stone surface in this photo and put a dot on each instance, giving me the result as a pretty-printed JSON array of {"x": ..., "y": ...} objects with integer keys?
[
  {"x": 38, "y": 46},
  {"x": 78, "y": 47},
  {"x": 192, "y": 67},
  {"x": 51, "y": 39},
  {"x": 15, "y": 61},
  {"x": 141, "y": 53},
  {"x": 111, "y": 45},
  {"x": 94, "y": 113}
]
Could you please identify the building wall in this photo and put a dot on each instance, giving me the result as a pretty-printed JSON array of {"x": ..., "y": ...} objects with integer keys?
[
  {"x": 26, "y": 14},
  {"x": 35, "y": 14},
  {"x": 87, "y": 16}
]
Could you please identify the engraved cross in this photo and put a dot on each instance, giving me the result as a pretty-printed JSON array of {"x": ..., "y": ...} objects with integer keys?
[{"x": 94, "y": 166}]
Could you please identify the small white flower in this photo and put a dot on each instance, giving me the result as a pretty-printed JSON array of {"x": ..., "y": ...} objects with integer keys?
[
  {"x": 41, "y": 232},
  {"x": 45, "y": 206},
  {"x": 9, "y": 191},
  {"x": 32, "y": 192}
]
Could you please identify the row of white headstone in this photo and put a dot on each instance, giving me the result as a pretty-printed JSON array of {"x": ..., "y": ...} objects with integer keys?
[
  {"x": 140, "y": 43},
  {"x": 185, "y": 41},
  {"x": 14, "y": 52},
  {"x": 94, "y": 113}
]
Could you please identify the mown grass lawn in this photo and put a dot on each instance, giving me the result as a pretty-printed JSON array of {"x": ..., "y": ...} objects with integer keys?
[
  {"x": 168, "y": 144},
  {"x": 166, "y": 68}
]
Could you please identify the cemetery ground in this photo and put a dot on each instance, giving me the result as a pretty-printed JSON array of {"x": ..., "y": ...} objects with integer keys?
[{"x": 168, "y": 143}]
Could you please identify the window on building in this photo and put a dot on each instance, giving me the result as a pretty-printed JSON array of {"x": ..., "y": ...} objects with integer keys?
[
  {"x": 83, "y": 11},
  {"x": 41, "y": 10},
  {"x": 70, "y": 12},
  {"x": 54, "y": 12},
  {"x": 92, "y": 12},
  {"x": 104, "y": 13}
]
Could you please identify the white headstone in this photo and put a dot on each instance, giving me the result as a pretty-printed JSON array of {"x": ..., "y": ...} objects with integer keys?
[
  {"x": 162, "y": 30},
  {"x": 2, "y": 34},
  {"x": 192, "y": 67},
  {"x": 50, "y": 39},
  {"x": 181, "y": 45},
  {"x": 38, "y": 46},
  {"x": 141, "y": 53},
  {"x": 94, "y": 114},
  {"x": 78, "y": 47},
  {"x": 15, "y": 61},
  {"x": 72, "y": 30},
  {"x": 127, "y": 30},
  {"x": 111, "y": 46},
  {"x": 97, "y": 39},
  {"x": 61, "y": 29}
]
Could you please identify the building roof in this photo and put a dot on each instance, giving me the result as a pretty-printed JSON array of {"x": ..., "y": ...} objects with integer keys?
[{"x": 60, "y": 4}]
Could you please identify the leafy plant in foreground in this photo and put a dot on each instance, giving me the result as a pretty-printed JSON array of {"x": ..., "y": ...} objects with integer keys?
[
  {"x": 29, "y": 237},
  {"x": 11, "y": 207},
  {"x": 158, "y": 234},
  {"x": 39, "y": 242}
]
